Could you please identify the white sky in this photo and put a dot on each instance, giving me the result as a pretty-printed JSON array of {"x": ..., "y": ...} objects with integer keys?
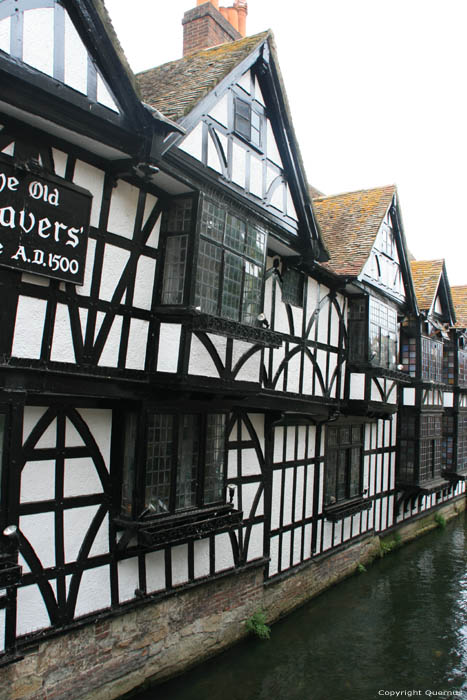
[{"x": 378, "y": 93}]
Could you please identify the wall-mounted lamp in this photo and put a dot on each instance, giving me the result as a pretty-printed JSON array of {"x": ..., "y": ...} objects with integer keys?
[
  {"x": 232, "y": 488},
  {"x": 11, "y": 531},
  {"x": 400, "y": 367},
  {"x": 263, "y": 320}
]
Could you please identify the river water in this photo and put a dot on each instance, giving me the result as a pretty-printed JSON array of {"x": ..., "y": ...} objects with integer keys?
[{"x": 401, "y": 626}]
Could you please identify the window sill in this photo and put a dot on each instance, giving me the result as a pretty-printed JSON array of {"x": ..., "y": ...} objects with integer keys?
[
  {"x": 455, "y": 476},
  {"x": 339, "y": 511},
  {"x": 179, "y": 528},
  {"x": 373, "y": 370},
  {"x": 424, "y": 488},
  {"x": 199, "y": 321}
]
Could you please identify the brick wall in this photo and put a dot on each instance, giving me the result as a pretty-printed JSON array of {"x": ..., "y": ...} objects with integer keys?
[{"x": 203, "y": 27}]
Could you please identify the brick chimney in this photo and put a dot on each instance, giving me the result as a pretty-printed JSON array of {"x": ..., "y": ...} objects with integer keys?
[{"x": 208, "y": 25}]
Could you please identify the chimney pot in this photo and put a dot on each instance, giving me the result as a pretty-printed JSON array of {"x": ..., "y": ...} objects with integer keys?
[{"x": 232, "y": 16}]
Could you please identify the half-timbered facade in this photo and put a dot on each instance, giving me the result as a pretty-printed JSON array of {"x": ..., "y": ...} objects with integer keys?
[{"x": 201, "y": 368}]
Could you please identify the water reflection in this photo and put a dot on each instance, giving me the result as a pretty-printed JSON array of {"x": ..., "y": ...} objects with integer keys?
[{"x": 400, "y": 626}]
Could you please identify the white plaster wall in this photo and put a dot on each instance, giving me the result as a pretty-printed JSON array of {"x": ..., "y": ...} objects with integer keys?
[
  {"x": 375, "y": 394},
  {"x": 300, "y": 480},
  {"x": 104, "y": 96},
  {"x": 277, "y": 199},
  {"x": 309, "y": 491},
  {"x": 38, "y": 481},
  {"x": 223, "y": 552},
  {"x": 286, "y": 545},
  {"x": 109, "y": 355},
  {"x": 276, "y": 498},
  {"x": 357, "y": 386},
  {"x": 115, "y": 259},
  {"x": 29, "y": 327},
  {"x": 278, "y": 444},
  {"x": 76, "y": 523},
  {"x": 290, "y": 443},
  {"x": 92, "y": 179},
  {"x": 137, "y": 344},
  {"x": 322, "y": 319},
  {"x": 85, "y": 288},
  {"x": 169, "y": 343},
  {"x": 249, "y": 492},
  {"x": 32, "y": 614},
  {"x": 220, "y": 111},
  {"x": 201, "y": 558},
  {"x": 327, "y": 535},
  {"x": 274, "y": 555},
  {"x": 245, "y": 82},
  {"x": 288, "y": 495},
  {"x": 99, "y": 422},
  {"x": 201, "y": 363},
  {"x": 155, "y": 571},
  {"x": 179, "y": 564},
  {"x": 293, "y": 372},
  {"x": 290, "y": 208},
  {"x": 76, "y": 58},
  {"x": 122, "y": 211},
  {"x": 255, "y": 546},
  {"x": 38, "y": 39},
  {"x": 5, "y": 26},
  {"x": 256, "y": 177},
  {"x": 213, "y": 157},
  {"x": 448, "y": 399},
  {"x": 332, "y": 367},
  {"x": 32, "y": 414},
  {"x": 193, "y": 143},
  {"x": 297, "y": 544},
  {"x": 250, "y": 371},
  {"x": 144, "y": 283},
  {"x": 128, "y": 578},
  {"x": 272, "y": 151},
  {"x": 62, "y": 344},
  {"x": 238, "y": 165},
  {"x": 39, "y": 530},
  {"x": 94, "y": 591},
  {"x": 250, "y": 464},
  {"x": 2, "y": 621},
  {"x": 81, "y": 477},
  {"x": 232, "y": 464}
]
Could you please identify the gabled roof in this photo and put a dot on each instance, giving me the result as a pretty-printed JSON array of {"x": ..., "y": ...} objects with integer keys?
[
  {"x": 175, "y": 88},
  {"x": 349, "y": 224},
  {"x": 429, "y": 279},
  {"x": 426, "y": 275},
  {"x": 459, "y": 297}
]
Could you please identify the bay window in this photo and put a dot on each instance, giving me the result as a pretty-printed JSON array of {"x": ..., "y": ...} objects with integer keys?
[
  {"x": 227, "y": 265},
  {"x": 373, "y": 333}
]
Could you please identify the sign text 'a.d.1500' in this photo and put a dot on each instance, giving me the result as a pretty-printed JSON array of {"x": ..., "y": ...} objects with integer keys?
[{"x": 44, "y": 224}]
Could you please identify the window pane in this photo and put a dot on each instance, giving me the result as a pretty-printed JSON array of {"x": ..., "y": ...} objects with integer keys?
[
  {"x": 174, "y": 270},
  {"x": 251, "y": 293},
  {"x": 128, "y": 475},
  {"x": 235, "y": 233},
  {"x": 292, "y": 287},
  {"x": 255, "y": 243},
  {"x": 158, "y": 463},
  {"x": 213, "y": 221},
  {"x": 178, "y": 218},
  {"x": 342, "y": 475},
  {"x": 214, "y": 459},
  {"x": 187, "y": 464},
  {"x": 208, "y": 277},
  {"x": 232, "y": 286},
  {"x": 354, "y": 477},
  {"x": 331, "y": 468}
]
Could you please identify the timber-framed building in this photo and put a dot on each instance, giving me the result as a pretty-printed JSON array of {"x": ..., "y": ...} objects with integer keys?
[{"x": 204, "y": 363}]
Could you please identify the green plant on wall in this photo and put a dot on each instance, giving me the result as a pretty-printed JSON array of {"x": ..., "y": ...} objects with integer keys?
[
  {"x": 440, "y": 520},
  {"x": 389, "y": 544},
  {"x": 256, "y": 624}
]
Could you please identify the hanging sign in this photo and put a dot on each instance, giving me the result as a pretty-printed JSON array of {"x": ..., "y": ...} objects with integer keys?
[{"x": 44, "y": 224}]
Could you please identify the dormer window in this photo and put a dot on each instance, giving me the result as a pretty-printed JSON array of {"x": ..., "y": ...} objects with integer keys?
[{"x": 247, "y": 121}]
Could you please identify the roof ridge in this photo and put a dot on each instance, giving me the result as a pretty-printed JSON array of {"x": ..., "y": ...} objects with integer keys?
[
  {"x": 342, "y": 194},
  {"x": 194, "y": 54}
]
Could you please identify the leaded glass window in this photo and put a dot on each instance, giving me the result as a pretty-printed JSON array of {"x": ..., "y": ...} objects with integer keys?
[
  {"x": 343, "y": 479},
  {"x": 432, "y": 359},
  {"x": 383, "y": 335},
  {"x": 292, "y": 287},
  {"x": 229, "y": 272},
  {"x": 430, "y": 447},
  {"x": 247, "y": 121},
  {"x": 176, "y": 224},
  {"x": 183, "y": 465}
]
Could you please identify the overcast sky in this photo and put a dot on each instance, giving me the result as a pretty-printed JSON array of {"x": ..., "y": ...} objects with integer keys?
[{"x": 378, "y": 93}]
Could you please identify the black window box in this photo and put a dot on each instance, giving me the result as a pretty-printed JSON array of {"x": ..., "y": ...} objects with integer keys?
[
  {"x": 455, "y": 476},
  {"x": 179, "y": 528},
  {"x": 424, "y": 488},
  {"x": 10, "y": 573},
  {"x": 339, "y": 511}
]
